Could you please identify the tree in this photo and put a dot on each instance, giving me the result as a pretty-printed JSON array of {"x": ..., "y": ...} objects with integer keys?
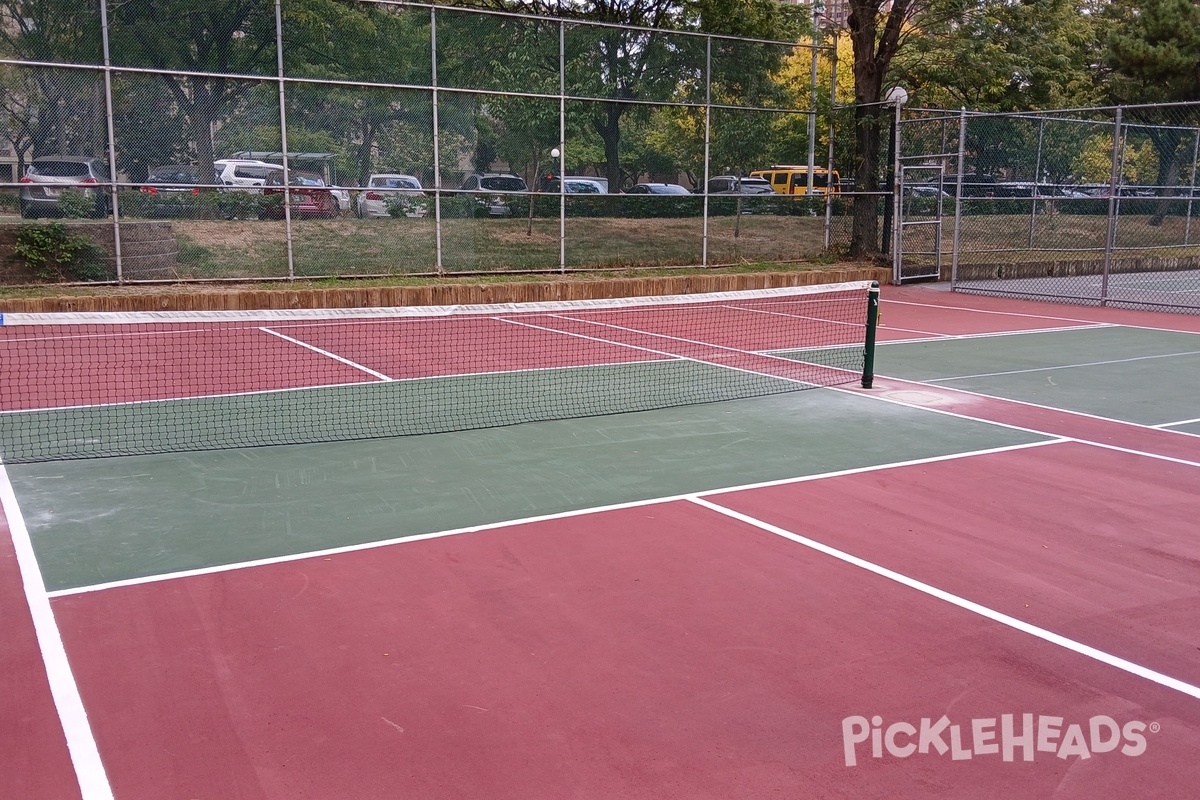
[
  {"x": 646, "y": 60},
  {"x": 996, "y": 55},
  {"x": 877, "y": 36},
  {"x": 62, "y": 111},
  {"x": 219, "y": 39},
  {"x": 1154, "y": 52},
  {"x": 364, "y": 42}
]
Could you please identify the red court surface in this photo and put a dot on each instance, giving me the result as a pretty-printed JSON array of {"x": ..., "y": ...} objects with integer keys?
[
  {"x": 932, "y": 310},
  {"x": 34, "y": 762},
  {"x": 653, "y": 652},
  {"x": 687, "y": 649}
]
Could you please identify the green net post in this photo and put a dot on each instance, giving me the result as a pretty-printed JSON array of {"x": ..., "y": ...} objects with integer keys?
[{"x": 868, "y": 375}]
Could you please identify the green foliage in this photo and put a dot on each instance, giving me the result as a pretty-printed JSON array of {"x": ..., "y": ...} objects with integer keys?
[
  {"x": 460, "y": 207},
  {"x": 400, "y": 206},
  {"x": 1153, "y": 47},
  {"x": 52, "y": 252},
  {"x": 248, "y": 205},
  {"x": 75, "y": 204},
  {"x": 1001, "y": 56}
]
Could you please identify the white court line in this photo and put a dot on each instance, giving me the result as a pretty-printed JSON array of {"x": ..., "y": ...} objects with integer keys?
[
  {"x": 960, "y": 415},
  {"x": 328, "y": 354},
  {"x": 989, "y": 334},
  {"x": 677, "y": 356},
  {"x": 1177, "y": 422},
  {"x": 1063, "y": 366},
  {"x": 420, "y": 537},
  {"x": 1030, "y": 404},
  {"x": 286, "y": 389},
  {"x": 711, "y": 345},
  {"x": 975, "y": 608},
  {"x": 792, "y": 315},
  {"x": 986, "y": 311},
  {"x": 85, "y": 755},
  {"x": 1083, "y": 322}
]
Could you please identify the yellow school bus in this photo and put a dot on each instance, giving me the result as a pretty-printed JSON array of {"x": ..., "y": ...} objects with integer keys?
[{"x": 790, "y": 179}]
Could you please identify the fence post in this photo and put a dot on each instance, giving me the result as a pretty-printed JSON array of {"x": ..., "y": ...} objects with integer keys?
[
  {"x": 1114, "y": 187},
  {"x": 892, "y": 235},
  {"x": 113, "y": 194},
  {"x": 562, "y": 147},
  {"x": 1037, "y": 182},
  {"x": 707, "y": 143},
  {"x": 1187, "y": 220},
  {"x": 437, "y": 150},
  {"x": 812, "y": 104},
  {"x": 829, "y": 188},
  {"x": 283, "y": 141},
  {"x": 958, "y": 186}
]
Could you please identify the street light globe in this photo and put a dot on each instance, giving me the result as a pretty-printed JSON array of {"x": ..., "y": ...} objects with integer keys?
[
  {"x": 896, "y": 96},
  {"x": 555, "y": 153}
]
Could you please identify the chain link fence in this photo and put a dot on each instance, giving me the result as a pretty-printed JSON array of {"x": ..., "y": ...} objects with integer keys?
[
  {"x": 258, "y": 139},
  {"x": 1096, "y": 206}
]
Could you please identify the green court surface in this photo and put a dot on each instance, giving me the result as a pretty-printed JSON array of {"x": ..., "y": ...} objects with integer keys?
[
  {"x": 102, "y": 520},
  {"x": 1150, "y": 377}
]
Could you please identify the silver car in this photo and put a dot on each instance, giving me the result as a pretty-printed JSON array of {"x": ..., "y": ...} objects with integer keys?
[
  {"x": 391, "y": 194},
  {"x": 47, "y": 177}
]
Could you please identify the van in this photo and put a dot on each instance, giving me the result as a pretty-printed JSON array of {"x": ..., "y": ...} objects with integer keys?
[{"x": 790, "y": 179}]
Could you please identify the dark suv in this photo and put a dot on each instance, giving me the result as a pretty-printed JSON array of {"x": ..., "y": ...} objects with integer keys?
[
  {"x": 493, "y": 185},
  {"x": 47, "y": 177}
]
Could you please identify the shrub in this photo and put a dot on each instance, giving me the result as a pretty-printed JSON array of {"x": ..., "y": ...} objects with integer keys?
[
  {"x": 402, "y": 205},
  {"x": 53, "y": 253},
  {"x": 76, "y": 204}
]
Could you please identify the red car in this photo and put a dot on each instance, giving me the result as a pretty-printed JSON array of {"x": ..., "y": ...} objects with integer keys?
[{"x": 310, "y": 196}]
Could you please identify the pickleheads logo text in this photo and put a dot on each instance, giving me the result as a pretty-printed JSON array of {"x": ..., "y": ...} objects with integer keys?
[{"x": 1010, "y": 737}]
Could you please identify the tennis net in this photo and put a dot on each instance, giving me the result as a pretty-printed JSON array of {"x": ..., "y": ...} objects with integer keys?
[{"x": 109, "y": 384}]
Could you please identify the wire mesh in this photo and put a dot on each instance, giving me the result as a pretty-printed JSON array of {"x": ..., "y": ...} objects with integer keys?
[
  {"x": 1094, "y": 206},
  {"x": 335, "y": 99}
]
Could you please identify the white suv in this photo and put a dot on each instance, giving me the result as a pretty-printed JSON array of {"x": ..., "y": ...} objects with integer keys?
[{"x": 244, "y": 174}]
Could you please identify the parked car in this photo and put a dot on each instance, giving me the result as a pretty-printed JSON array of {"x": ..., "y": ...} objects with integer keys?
[
  {"x": 342, "y": 196},
  {"x": 492, "y": 186},
  {"x": 47, "y": 177},
  {"x": 575, "y": 184},
  {"x": 171, "y": 190},
  {"x": 732, "y": 184},
  {"x": 978, "y": 186},
  {"x": 310, "y": 196},
  {"x": 656, "y": 188},
  {"x": 926, "y": 190},
  {"x": 387, "y": 191},
  {"x": 245, "y": 174}
]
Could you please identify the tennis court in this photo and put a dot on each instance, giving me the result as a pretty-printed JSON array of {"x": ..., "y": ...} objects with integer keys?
[{"x": 614, "y": 554}]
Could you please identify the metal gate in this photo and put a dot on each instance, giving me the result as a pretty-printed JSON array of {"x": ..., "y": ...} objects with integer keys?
[{"x": 920, "y": 200}]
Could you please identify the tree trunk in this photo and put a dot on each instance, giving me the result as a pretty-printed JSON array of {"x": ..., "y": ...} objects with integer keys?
[
  {"x": 609, "y": 128},
  {"x": 864, "y": 230},
  {"x": 1166, "y": 143}
]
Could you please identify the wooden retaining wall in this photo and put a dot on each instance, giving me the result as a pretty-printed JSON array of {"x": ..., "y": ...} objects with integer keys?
[{"x": 206, "y": 298}]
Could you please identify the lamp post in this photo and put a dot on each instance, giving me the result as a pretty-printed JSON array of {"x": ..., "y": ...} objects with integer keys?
[
  {"x": 896, "y": 97},
  {"x": 818, "y": 7}
]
